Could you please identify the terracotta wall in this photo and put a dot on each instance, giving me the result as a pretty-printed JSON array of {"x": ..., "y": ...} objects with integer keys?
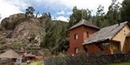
[
  {"x": 77, "y": 43},
  {"x": 92, "y": 49},
  {"x": 127, "y": 45}
]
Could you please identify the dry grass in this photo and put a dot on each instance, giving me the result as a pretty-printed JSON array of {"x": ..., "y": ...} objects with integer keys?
[{"x": 36, "y": 63}]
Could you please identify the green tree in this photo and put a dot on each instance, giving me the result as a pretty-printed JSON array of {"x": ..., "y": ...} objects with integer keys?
[
  {"x": 125, "y": 10},
  {"x": 99, "y": 19},
  {"x": 111, "y": 17},
  {"x": 37, "y": 14},
  {"x": 29, "y": 12},
  {"x": 113, "y": 14},
  {"x": 75, "y": 17},
  {"x": 55, "y": 38},
  {"x": 79, "y": 14},
  {"x": 86, "y": 14}
]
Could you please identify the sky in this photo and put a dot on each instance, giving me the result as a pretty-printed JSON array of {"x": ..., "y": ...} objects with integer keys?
[{"x": 59, "y": 9}]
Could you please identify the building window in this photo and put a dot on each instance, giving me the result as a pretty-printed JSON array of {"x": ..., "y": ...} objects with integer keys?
[
  {"x": 103, "y": 46},
  {"x": 76, "y": 36},
  {"x": 124, "y": 33},
  {"x": 114, "y": 46},
  {"x": 87, "y": 34},
  {"x": 76, "y": 50}
]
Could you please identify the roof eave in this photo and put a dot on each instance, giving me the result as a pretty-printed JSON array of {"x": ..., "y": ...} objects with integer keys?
[
  {"x": 99, "y": 41},
  {"x": 83, "y": 25}
]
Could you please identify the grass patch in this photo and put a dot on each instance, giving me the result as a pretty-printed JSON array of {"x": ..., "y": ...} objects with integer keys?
[
  {"x": 36, "y": 63},
  {"x": 126, "y": 63}
]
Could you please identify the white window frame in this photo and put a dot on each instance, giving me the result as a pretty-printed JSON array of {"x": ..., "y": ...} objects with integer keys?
[
  {"x": 76, "y": 36},
  {"x": 76, "y": 50}
]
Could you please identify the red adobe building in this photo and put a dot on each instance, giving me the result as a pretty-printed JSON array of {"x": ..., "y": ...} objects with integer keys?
[{"x": 78, "y": 34}]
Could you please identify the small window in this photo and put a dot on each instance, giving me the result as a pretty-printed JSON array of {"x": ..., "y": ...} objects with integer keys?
[
  {"x": 115, "y": 46},
  {"x": 103, "y": 46},
  {"x": 76, "y": 50},
  {"x": 125, "y": 34},
  {"x": 76, "y": 36},
  {"x": 87, "y": 34}
]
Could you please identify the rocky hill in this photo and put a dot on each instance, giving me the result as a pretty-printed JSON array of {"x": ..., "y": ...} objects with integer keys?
[{"x": 17, "y": 32}]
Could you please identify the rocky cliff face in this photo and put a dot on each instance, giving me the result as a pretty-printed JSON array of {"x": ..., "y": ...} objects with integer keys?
[{"x": 18, "y": 32}]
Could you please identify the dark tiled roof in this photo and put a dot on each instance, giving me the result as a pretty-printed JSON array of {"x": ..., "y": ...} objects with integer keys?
[
  {"x": 84, "y": 22},
  {"x": 106, "y": 33}
]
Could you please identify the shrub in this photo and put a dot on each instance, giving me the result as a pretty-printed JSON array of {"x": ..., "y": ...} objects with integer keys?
[{"x": 88, "y": 59}]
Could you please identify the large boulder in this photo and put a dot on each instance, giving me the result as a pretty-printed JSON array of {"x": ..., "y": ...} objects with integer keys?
[{"x": 11, "y": 22}]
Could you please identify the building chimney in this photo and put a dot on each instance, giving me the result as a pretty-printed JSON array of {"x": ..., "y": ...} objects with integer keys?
[{"x": 118, "y": 22}]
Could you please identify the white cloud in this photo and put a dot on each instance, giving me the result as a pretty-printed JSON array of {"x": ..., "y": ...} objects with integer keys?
[
  {"x": 9, "y": 7},
  {"x": 82, "y": 4},
  {"x": 61, "y": 12},
  {"x": 21, "y": 4},
  {"x": 69, "y": 13},
  {"x": 62, "y": 18},
  {"x": 64, "y": 13}
]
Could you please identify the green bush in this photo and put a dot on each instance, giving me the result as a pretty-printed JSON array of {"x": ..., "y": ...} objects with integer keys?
[{"x": 88, "y": 59}]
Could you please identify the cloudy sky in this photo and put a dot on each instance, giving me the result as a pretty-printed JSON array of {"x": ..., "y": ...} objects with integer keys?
[{"x": 59, "y": 9}]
